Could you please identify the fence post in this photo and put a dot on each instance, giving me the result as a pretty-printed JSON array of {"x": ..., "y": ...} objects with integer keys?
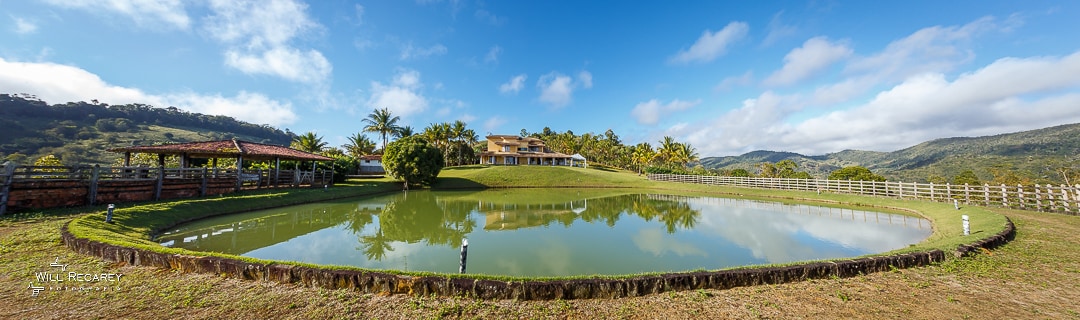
[
  {"x": 1038, "y": 198},
  {"x": 932, "y": 195},
  {"x": 92, "y": 194},
  {"x": 160, "y": 183},
  {"x": 1020, "y": 195},
  {"x": 202, "y": 187},
  {"x": 1004, "y": 196},
  {"x": 986, "y": 194},
  {"x": 967, "y": 194}
]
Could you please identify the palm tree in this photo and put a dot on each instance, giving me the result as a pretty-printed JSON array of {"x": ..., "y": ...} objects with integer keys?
[
  {"x": 359, "y": 145},
  {"x": 383, "y": 122},
  {"x": 643, "y": 155},
  {"x": 406, "y": 131},
  {"x": 457, "y": 133},
  {"x": 436, "y": 134},
  {"x": 685, "y": 154},
  {"x": 666, "y": 151},
  {"x": 308, "y": 142}
]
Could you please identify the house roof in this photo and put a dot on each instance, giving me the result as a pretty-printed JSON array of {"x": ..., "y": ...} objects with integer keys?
[
  {"x": 226, "y": 148},
  {"x": 371, "y": 157}
]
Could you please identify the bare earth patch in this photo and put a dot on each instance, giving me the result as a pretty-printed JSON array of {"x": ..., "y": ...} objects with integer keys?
[{"x": 1035, "y": 276}]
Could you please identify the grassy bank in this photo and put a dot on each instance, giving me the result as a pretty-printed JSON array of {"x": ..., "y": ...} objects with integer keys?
[{"x": 980, "y": 286}]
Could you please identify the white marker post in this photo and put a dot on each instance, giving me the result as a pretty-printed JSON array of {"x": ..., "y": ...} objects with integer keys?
[
  {"x": 464, "y": 254},
  {"x": 967, "y": 225},
  {"x": 956, "y": 203},
  {"x": 108, "y": 215}
]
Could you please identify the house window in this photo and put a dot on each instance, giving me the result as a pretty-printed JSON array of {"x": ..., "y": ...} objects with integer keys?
[
  {"x": 506, "y": 148},
  {"x": 367, "y": 161},
  {"x": 522, "y": 149}
]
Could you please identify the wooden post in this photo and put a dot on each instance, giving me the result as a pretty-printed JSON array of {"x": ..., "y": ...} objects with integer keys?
[
  {"x": 1065, "y": 197},
  {"x": 986, "y": 194},
  {"x": 258, "y": 184},
  {"x": 160, "y": 183},
  {"x": 932, "y": 196},
  {"x": 1004, "y": 196},
  {"x": 277, "y": 170},
  {"x": 239, "y": 172},
  {"x": 1020, "y": 195},
  {"x": 92, "y": 194},
  {"x": 202, "y": 187},
  {"x": 948, "y": 191},
  {"x": 1038, "y": 198},
  {"x": 967, "y": 194}
]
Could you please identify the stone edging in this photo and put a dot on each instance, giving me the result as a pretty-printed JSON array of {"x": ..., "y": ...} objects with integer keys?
[{"x": 382, "y": 282}]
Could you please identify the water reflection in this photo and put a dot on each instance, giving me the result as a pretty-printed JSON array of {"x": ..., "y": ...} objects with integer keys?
[{"x": 550, "y": 232}]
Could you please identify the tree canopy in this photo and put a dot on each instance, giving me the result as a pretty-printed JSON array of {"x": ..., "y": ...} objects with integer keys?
[
  {"x": 413, "y": 161},
  {"x": 855, "y": 173}
]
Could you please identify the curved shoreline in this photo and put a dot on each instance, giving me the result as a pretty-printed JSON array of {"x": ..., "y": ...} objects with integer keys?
[{"x": 456, "y": 285}]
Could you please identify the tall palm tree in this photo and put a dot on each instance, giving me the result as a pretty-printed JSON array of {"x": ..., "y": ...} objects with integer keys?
[
  {"x": 666, "y": 151},
  {"x": 436, "y": 134},
  {"x": 406, "y": 131},
  {"x": 359, "y": 145},
  {"x": 685, "y": 154},
  {"x": 308, "y": 142},
  {"x": 383, "y": 122},
  {"x": 643, "y": 155},
  {"x": 457, "y": 133}
]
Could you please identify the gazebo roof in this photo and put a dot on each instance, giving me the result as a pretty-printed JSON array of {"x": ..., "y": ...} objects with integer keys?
[{"x": 226, "y": 148}]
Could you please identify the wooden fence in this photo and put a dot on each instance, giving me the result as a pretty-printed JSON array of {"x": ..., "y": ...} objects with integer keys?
[
  {"x": 1048, "y": 198},
  {"x": 56, "y": 186}
]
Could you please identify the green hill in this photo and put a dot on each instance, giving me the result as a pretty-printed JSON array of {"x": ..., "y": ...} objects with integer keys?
[
  {"x": 1032, "y": 155},
  {"x": 80, "y": 132}
]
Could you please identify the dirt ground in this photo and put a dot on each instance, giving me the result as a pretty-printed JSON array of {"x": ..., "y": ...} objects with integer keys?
[{"x": 1036, "y": 276}]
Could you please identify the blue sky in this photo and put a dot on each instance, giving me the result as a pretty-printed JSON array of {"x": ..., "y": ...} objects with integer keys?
[{"x": 728, "y": 77}]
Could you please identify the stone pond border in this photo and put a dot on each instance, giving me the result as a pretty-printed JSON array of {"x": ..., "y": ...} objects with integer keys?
[{"x": 585, "y": 288}]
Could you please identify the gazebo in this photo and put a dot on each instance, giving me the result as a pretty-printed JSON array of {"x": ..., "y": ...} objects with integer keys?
[
  {"x": 577, "y": 157},
  {"x": 238, "y": 149}
]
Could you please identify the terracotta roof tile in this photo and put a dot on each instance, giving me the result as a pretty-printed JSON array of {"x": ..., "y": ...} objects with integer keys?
[{"x": 226, "y": 148}]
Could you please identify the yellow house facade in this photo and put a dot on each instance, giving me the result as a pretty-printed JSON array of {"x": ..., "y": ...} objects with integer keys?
[{"x": 515, "y": 150}]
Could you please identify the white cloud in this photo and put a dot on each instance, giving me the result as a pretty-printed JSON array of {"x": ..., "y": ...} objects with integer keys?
[
  {"x": 402, "y": 96},
  {"x": 711, "y": 44},
  {"x": 23, "y": 26},
  {"x": 493, "y": 55},
  {"x": 733, "y": 81},
  {"x": 57, "y": 83},
  {"x": 359, "y": 14},
  {"x": 585, "y": 78},
  {"x": 285, "y": 62},
  {"x": 411, "y": 52},
  {"x": 147, "y": 13},
  {"x": 933, "y": 49},
  {"x": 777, "y": 30},
  {"x": 515, "y": 85},
  {"x": 1010, "y": 94},
  {"x": 803, "y": 62},
  {"x": 649, "y": 112},
  {"x": 259, "y": 35},
  {"x": 492, "y": 124},
  {"x": 557, "y": 90}
]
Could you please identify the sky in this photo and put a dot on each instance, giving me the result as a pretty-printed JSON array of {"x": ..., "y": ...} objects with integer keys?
[{"x": 811, "y": 77}]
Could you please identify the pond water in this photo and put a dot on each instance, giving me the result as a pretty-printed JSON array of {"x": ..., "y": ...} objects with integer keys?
[{"x": 550, "y": 232}]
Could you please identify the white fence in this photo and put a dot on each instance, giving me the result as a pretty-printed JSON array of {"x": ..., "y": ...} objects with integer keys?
[{"x": 1062, "y": 198}]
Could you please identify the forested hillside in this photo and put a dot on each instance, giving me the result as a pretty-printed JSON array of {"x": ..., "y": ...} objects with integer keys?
[
  {"x": 80, "y": 132},
  {"x": 1048, "y": 155}
]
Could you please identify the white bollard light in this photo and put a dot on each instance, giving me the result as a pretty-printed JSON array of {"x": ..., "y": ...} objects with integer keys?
[
  {"x": 956, "y": 203},
  {"x": 967, "y": 225},
  {"x": 108, "y": 215}
]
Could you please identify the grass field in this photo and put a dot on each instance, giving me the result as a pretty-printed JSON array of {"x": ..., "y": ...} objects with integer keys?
[{"x": 1035, "y": 276}]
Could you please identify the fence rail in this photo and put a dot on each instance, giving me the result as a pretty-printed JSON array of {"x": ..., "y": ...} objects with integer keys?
[
  {"x": 1045, "y": 197},
  {"x": 50, "y": 186}
]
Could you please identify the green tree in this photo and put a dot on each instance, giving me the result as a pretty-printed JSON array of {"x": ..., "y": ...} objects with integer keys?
[
  {"x": 404, "y": 132},
  {"x": 383, "y": 122},
  {"x": 359, "y": 145},
  {"x": 308, "y": 142},
  {"x": 412, "y": 160},
  {"x": 740, "y": 173},
  {"x": 967, "y": 177},
  {"x": 855, "y": 173},
  {"x": 643, "y": 155},
  {"x": 768, "y": 170}
]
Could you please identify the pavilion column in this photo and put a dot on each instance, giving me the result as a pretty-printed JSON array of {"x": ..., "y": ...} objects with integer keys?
[
  {"x": 313, "y": 172},
  {"x": 296, "y": 175},
  {"x": 161, "y": 160},
  {"x": 127, "y": 159},
  {"x": 277, "y": 170},
  {"x": 239, "y": 167}
]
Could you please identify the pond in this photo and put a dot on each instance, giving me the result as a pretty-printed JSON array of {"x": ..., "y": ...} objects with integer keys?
[{"x": 550, "y": 232}]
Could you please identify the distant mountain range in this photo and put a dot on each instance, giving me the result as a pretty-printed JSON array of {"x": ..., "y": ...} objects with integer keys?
[{"x": 1028, "y": 153}]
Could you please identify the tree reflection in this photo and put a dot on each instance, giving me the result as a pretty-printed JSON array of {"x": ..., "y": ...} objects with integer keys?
[{"x": 423, "y": 217}]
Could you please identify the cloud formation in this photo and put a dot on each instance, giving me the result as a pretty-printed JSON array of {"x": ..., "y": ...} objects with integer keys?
[
  {"x": 23, "y": 26},
  {"x": 57, "y": 83},
  {"x": 711, "y": 44},
  {"x": 409, "y": 52},
  {"x": 515, "y": 85},
  {"x": 147, "y": 13},
  {"x": 259, "y": 35},
  {"x": 803, "y": 62},
  {"x": 402, "y": 95},
  {"x": 650, "y": 112},
  {"x": 557, "y": 90}
]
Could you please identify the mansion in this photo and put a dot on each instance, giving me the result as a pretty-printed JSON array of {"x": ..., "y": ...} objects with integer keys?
[{"x": 515, "y": 150}]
